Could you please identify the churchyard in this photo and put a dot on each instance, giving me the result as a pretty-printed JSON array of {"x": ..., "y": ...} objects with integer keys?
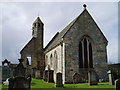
[
  {"x": 35, "y": 83},
  {"x": 22, "y": 80},
  {"x": 75, "y": 58}
]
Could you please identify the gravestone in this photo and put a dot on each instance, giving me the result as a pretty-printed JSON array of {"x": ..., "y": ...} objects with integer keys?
[
  {"x": 19, "y": 80},
  {"x": 117, "y": 84},
  {"x": 19, "y": 70},
  {"x": 19, "y": 83},
  {"x": 50, "y": 76},
  {"x": 45, "y": 75},
  {"x": 33, "y": 72},
  {"x": 37, "y": 74},
  {"x": 111, "y": 78},
  {"x": 76, "y": 78},
  {"x": 92, "y": 78},
  {"x": 59, "y": 82}
]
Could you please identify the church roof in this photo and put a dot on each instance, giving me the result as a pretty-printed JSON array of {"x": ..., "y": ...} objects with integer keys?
[
  {"x": 59, "y": 37},
  {"x": 56, "y": 40},
  {"x": 29, "y": 43}
]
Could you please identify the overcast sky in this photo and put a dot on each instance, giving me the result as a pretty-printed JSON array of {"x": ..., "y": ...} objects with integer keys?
[{"x": 17, "y": 19}]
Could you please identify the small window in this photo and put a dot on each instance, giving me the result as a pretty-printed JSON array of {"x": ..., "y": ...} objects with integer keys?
[
  {"x": 38, "y": 24},
  {"x": 35, "y": 24},
  {"x": 28, "y": 60},
  {"x": 33, "y": 32},
  {"x": 5, "y": 64},
  {"x": 51, "y": 60}
]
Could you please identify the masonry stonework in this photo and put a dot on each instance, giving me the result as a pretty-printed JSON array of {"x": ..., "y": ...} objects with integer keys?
[{"x": 78, "y": 48}]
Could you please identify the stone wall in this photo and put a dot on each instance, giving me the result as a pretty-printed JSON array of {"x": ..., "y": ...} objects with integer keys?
[
  {"x": 115, "y": 68},
  {"x": 34, "y": 48},
  {"x": 85, "y": 26},
  {"x": 57, "y": 64}
]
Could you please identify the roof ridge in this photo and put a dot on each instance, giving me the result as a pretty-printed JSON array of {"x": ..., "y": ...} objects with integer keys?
[
  {"x": 52, "y": 40},
  {"x": 62, "y": 33}
]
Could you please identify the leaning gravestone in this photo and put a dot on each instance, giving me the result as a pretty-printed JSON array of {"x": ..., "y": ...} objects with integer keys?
[
  {"x": 92, "y": 78},
  {"x": 19, "y": 81},
  {"x": 111, "y": 78},
  {"x": 59, "y": 82},
  {"x": 45, "y": 75},
  {"x": 117, "y": 84},
  {"x": 76, "y": 78}
]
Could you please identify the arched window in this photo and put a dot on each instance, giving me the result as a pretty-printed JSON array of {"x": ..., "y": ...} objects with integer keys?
[
  {"x": 56, "y": 61},
  {"x": 35, "y": 24},
  {"x": 46, "y": 60},
  {"x": 90, "y": 56},
  {"x": 80, "y": 55},
  {"x": 51, "y": 60},
  {"x": 85, "y": 53},
  {"x": 38, "y": 24}
]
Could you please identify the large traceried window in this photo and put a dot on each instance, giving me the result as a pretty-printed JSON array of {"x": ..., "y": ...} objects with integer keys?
[{"x": 85, "y": 53}]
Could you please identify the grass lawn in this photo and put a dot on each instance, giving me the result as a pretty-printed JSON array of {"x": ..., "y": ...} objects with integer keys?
[{"x": 41, "y": 84}]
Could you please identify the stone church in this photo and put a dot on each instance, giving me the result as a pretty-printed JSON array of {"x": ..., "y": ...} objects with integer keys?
[{"x": 78, "y": 48}]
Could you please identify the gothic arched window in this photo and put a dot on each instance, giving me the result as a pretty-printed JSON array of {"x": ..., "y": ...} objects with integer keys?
[
  {"x": 38, "y": 24},
  {"x": 85, "y": 53},
  {"x": 46, "y": 60},
  {"x": 90, "y": 56},
  {"x": 80, "y": 55},
  {"x": 56, "y": 61},
  {"x": 51, "y": 60}
]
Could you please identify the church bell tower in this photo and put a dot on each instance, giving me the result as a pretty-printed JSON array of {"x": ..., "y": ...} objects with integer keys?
[{"x": 37, "y": 33}]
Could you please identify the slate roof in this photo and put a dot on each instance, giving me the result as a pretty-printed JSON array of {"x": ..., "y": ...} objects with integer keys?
[
  {"x": 56, "y": 40},
  {"x": 59, "y": 37},
  {"x": 31, "y": 41}
]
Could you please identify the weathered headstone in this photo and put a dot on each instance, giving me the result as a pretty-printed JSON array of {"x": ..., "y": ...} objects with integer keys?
[
  {"x": 76, "y": 78},
  {"x": 111, "y": 78},
  {"x": 117, "y": 84},
  {"x": 59, "y": 82},
  {"x": 19, "y": 83},
  {"x": 20, "y": 70},
  {"x": 92, "y": 78},
  {"x": 37, "y": 74},
  {"x": 33, "y": 72},
  {"x": 19, "y": 80},
  {"x": 45, "y": 75},
  {"x": 50, "y": 76}
]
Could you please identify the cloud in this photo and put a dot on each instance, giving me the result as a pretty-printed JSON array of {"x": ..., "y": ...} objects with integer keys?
[{"x": 17, "y": 19}]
